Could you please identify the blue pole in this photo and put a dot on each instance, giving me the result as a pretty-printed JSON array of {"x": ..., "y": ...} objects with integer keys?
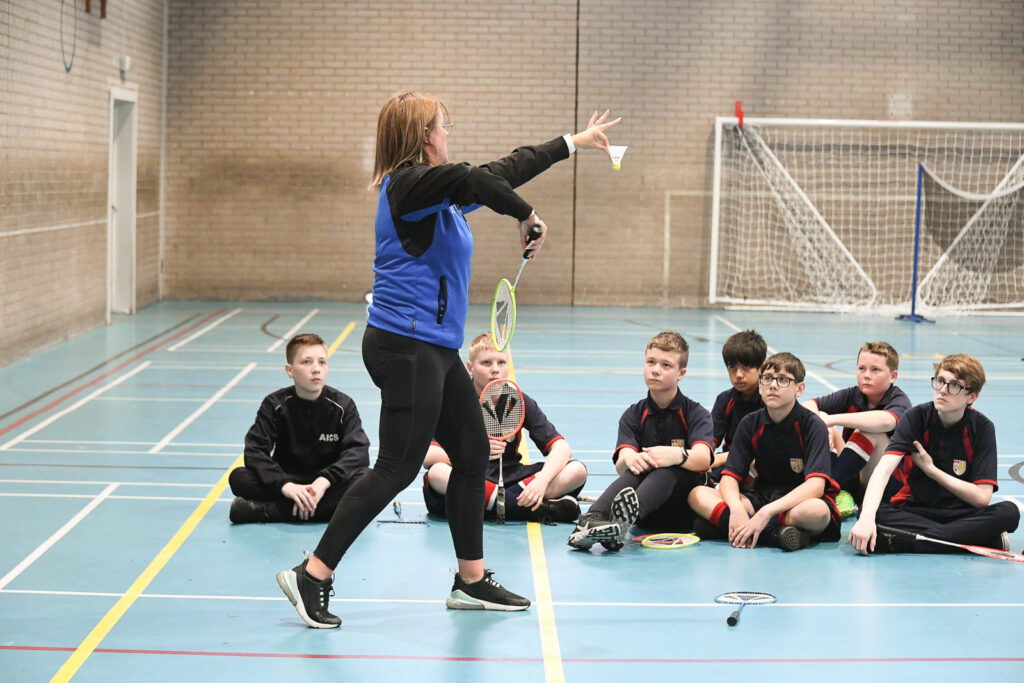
[{"x": 914, "y": 317}]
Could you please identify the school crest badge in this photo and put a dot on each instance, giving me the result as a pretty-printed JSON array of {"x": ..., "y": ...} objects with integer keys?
[
  {"x": 959, "y": 467},
  {"x": 796, "y": 464}
]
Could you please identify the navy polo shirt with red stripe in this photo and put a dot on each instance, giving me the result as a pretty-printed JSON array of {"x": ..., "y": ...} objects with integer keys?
[
  {"x": 683, "y": 422},
  {"x": 729, "y": 410},
  {"x": 787, "y": 453},
  {"x": 853, "y": 400},
  {"x": 966, "y": 450}
]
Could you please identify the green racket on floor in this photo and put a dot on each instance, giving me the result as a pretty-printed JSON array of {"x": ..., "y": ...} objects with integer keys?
[{"x": 503, "y": 308}]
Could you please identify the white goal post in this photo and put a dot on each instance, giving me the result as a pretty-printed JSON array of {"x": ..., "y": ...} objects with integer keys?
[{"x": 822, "y": 214}]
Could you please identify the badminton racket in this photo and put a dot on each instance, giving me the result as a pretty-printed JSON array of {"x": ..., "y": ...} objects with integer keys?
[
  {"x": 503, "y": 410},
  {"x": 503, "y": 308},
  {"x": 669, "y": 541},
  {"x": 976, "y": 549},
  {"x": 743, "y": 598}
]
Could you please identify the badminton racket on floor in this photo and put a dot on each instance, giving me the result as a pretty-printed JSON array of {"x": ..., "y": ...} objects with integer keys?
[
  {"x": 669, "y": 541},
  {"x": 503, "y": 308},
  {"x": 976, "y": 549},
  {"x": 743, "y": 598},
  {"x": 503, "y": 410}
]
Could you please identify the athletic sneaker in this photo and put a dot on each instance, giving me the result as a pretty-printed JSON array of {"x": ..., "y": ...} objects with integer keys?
[
  {"x": 564, "y": 509},
  {"x": 845, "y": 504},
  {"x": 309, "y": 596},
  {"x": 625, "y": 509},
  {"x": 245, "y": 511},
  {"x": 886, "y": 541},
  {"x": 484, "y": 594},
  {"x": 593, "y": 527},
  {"x": 789, "y": 538}
]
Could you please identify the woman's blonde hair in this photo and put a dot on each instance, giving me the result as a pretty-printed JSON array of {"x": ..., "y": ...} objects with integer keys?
[{"x": 403, "y": 120}]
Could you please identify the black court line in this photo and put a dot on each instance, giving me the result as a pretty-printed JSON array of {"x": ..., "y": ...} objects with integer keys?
[
  {"x": 1016, "y": 468},
  {"x": 94, "y": 369},
  {"x": 264, "y": 330}
]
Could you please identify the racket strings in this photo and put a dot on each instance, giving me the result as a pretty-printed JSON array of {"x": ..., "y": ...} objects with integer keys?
[
  {"x": 746, "y": 598},
  {"x": 503, "y": 409},
  {"x": 504, "y": 314}
]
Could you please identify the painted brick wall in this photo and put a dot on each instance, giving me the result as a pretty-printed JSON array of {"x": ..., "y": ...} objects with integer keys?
[
  {"x": 54, "y": 130},
  {"x": 271, "y": 109}
]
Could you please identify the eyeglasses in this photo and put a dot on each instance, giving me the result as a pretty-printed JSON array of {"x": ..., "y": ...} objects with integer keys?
[
  {"x": 953, "y": 388},
  {"x": 448, "y": 127},
  {"x": 781, "y": 380}
]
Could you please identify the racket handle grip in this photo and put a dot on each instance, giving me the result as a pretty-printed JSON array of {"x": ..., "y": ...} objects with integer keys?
[
  {"x": 499, "y": 505},
  {"x": 534, "y": 233},
  {"x": 734, "y": 618}
]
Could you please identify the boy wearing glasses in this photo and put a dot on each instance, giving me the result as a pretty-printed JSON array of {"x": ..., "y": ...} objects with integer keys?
[
  {"x": 944, "y": 452},
  {"x": 793, "y": 497},
  {"x": 868, "y": 414}
]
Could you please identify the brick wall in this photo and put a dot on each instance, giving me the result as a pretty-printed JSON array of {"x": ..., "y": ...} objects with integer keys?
[
  {"x": 54, "y": 130},
  {"x": 271, "y": 109}
]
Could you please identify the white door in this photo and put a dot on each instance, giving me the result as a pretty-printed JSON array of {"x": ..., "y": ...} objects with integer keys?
[{"x": 121, "y": 215}]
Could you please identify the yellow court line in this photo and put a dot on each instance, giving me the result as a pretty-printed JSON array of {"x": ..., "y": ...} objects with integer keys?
[
  {"x": 341, "y": 337},
  {"x": 100, "y": 631},
  {"x": 544, "y": 604}
]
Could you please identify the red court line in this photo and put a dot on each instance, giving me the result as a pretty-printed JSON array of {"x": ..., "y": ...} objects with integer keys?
[
  {"x": 538, "y": 660},
  {"x": 131, "y": 360}
]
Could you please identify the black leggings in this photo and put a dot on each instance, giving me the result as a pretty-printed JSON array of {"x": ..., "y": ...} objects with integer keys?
[{"x": 426, "y": 393}]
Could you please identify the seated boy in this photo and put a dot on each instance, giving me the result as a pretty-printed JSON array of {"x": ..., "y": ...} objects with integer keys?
[
  {"x": 868, "y": 412},
  {"x": 944, "y": 452},
  {"x": 305, "y": 449},
  {"x": 743, "y": 354},
  {"x": 538, "y": 492},
  {"x": 792, "y": 499},
  {"x": 664, "y": 448}
]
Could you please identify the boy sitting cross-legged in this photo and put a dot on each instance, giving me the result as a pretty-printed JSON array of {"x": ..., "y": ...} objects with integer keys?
[
  {"x": 868, "y": 414},
  {"x": 664, "y": 448},
  {"x": 944, "y": 452},
  {"x": 792, "y": 499},
  {"x": 538, "y": 492}
]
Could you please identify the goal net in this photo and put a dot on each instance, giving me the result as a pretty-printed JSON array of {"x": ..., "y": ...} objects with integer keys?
[{"x": 821, "y": 215}]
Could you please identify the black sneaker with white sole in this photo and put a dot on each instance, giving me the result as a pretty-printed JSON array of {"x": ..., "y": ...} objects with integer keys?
[
  {"x": 592, "y": 527},
  {"x": 309, "y": 596},
  {"x": 625, "y": 510},
  {"x": 484, "y": 594}
]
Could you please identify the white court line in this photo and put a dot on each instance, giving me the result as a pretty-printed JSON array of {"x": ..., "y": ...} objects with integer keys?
[
  {"x": 59, "y": 534},
  {"x": 828, "y": 385},
  {"x": 79, "y": 482},
  {"x": 83, "y": 451},
  {"x": 75, "y": 406},
  {"x": 201, "y": 409},
  {"x": 291, "y": 333},
  {"x": 89, "y": 495},
  {"x": 645, "y": 605},
  {"x": 136, "y": 443},
  {"x": 201, "y": 332}
]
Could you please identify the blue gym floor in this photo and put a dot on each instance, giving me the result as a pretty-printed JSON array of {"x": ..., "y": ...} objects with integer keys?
[{"x": 118, "y": 561}]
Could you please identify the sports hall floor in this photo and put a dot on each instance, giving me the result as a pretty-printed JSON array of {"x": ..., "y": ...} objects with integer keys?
[{"x": 118, "y": 562}]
